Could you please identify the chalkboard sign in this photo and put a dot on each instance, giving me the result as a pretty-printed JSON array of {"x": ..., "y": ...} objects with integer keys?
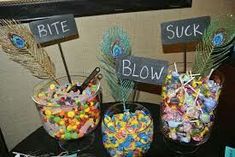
[
  {"x": 184, "y": 31},
  {"x": 54, "y": 29},
  {"x": 141, "y": 69}
]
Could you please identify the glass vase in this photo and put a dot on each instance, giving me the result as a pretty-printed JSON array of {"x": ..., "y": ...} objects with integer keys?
[
  {"x": 69, "y": 115},
  {"x": 127, "y": 133},
  {"x": 188, "y": 109}
]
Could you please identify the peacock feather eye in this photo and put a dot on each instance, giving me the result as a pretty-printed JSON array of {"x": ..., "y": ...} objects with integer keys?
[
  {"x": 218, "y": 39},
  {"x": 117, "y": 50},
  {"x": 17, "y": 41}
]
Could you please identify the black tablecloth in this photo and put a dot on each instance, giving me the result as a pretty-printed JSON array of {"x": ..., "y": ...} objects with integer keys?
[{"x": 39, "y": 142}]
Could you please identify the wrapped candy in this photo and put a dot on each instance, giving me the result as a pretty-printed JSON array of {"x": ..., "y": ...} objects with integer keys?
[
  {"x": 188, "y": 107},
  {"x": 127, "y": 133}
]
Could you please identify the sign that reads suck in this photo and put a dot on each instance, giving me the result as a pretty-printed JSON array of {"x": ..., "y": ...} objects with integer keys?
[
  {"x": 141, "y": 69},
  {"x": 54, "y": 29},
  {"x": 184, "y": 31}
]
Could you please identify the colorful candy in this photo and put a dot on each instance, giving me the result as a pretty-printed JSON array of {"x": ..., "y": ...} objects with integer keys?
[
  {"x": 188, "y": 107},
  {"x": 69, "y": 115},
  {"x": 127, "y": 134}
]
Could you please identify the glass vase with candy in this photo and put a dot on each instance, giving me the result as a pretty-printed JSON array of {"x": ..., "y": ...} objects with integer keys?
[
  {"x": 70, "y": 112},
  {"x": 127, "y": 127},
  {"x": 128, "y": 133},
  {"x": 189, "y": 100},
  {"x": 188, "y": 109}
]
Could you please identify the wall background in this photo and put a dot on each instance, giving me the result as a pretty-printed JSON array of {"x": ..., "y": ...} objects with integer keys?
[{"x": 18, "y": 113}]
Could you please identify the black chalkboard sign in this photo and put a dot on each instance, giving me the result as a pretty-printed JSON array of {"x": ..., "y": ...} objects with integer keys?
[
  {"x": 55, "y": 29},
  {"x": 184, "y": 31},
  {"x": 141, "y": 69}
]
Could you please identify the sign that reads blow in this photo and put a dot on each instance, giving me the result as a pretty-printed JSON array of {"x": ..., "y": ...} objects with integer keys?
[{"x": 142, "y": 69}]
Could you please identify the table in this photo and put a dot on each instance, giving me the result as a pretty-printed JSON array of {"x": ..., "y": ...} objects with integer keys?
[{"x": 40, "y": 142}]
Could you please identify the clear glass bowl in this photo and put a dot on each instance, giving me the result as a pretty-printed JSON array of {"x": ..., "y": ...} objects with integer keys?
[
  {"x": 188, "y": 111},
  {"x": 128, "y": 133},
  {"x": 68, "y": 115}
]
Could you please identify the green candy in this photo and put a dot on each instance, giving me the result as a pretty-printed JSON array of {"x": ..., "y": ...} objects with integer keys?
[
  {"x": 78, "y": 102},
  {"x": 85, "y": 105},
  {"x": 74, "y": 135},
  {"x": 67, "y": 136},
  {"x": 94, "y": 88},
  {"x": 77, "y": 117},
  {"x": 56, "y": 119},
  {"x": 205, "y": 118},
  {"x": 51, "y": 117}
]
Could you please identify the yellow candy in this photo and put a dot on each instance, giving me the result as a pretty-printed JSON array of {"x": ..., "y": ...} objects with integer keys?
[
  {"x": 199, "y": 83},
  {"x": 114, "y": 145},
  {"x": 68, "y": 88},
  {"x": 49, "y": 104},
  {"x": 52, "y": 86},
  {"x": 107, "y": 119},
  {"x": 61, "y": 122},
  {"x": 134, "y": 135},
  {"x": 82, "y": 116},
  {"x": 69, "y": 128},
  {"x": 194, "y": 84},
  {"x": 62, "y": 136},
  {"x": 137, "y": 138},
  {"x": 197, "y": 122},
  {"x": 71, "y": 114},
  {"x": 74, "y": 127},
  {"x": 47, "y": 112},
  {"x": 204, "y": 132},
  {"x": 134, "y": 122},
  {"x": 107, "y": 145},
  {"x": 140, "y": 116},
  {"x": 164, "y": 88},
  {"x": 110, "y": 124},
  {"x": 121, "y": 116},
  {"x": 42, "y": 94},
  {"x": 87, "y": 109},
  {"x": 122, "y": 124},
  {"x": 92, "y": 103},
  {"x": 194, "y": 94},
  {"x": 61, "y": 131},
  {"x": 169, "y": 77},
  {"x": 143, "y": 141}
]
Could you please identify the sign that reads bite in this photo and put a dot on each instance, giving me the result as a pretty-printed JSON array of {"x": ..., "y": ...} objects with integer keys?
[
  {"x": 141, "y": 69},
  {"x": 184, "y": 31},
  {"x": 55, "y": 29}
]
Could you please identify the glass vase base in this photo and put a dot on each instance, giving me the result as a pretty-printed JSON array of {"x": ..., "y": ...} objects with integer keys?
[
  {"x": 180, "y": 149},
  {"x": 81, "y": 144}
]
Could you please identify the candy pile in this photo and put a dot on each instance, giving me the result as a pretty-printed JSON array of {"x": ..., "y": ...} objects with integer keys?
[
  {"x": 127, "y": 134},
  {"x": 188, "y": 107},
  {"x": 68, "y": 115}
]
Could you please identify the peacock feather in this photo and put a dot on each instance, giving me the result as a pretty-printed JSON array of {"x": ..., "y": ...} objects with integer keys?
[
  {"x": 115, "y": 44},
  {"x": 217, "y": 42},
  {"x": 19, "y": 44}
]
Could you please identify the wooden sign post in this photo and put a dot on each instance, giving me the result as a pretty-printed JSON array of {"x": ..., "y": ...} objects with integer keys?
[
  {"x": 54, "y": 30},
  {"x": 141, "y": 69},
  {"x": 184, "y": 32}
]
